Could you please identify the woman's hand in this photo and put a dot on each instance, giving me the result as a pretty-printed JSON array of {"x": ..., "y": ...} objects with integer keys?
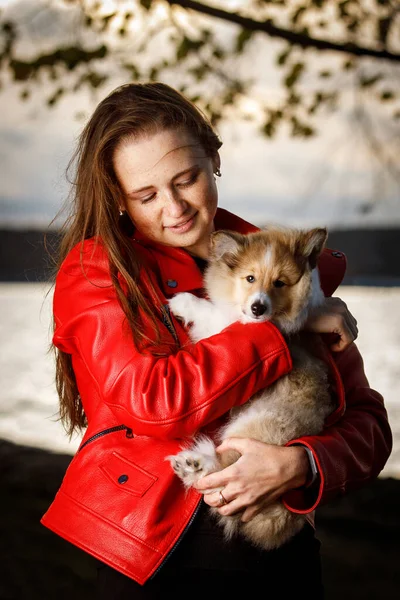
[
  {"x": 259, "y": 477},
  {"x": 334, "y": 317}
]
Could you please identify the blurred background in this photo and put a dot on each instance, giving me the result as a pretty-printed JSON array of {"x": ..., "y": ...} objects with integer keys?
[{"x": 305, "y": 95}]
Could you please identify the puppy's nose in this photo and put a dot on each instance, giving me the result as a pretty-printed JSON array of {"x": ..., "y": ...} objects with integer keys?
[{"x": 258, "y": 308}]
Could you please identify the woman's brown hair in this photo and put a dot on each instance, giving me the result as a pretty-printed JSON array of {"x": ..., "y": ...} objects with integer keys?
[{"x": 130, "y": 110}]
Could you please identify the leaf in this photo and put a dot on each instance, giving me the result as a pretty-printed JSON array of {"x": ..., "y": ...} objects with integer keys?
[
  {"x": 283, "y": 56},
  {"x": 218, "y": 53},
  {"x": 106, "y": 21},
  {"x": 215, "y": 117},
  {"x": 206, "y": 35},
  {"x": 21, "y": 70},
  {"x": 366, "y": 82},
  {"x": 133, "y": 70},
  {"x": 231, "y": 94},
  {"x": 321, "y": 98},
  {"x": 146, "y": 4},
  {"x": 95, "y": 80},
  {"x": 343, "y": 8},
  {"x": 387, "y": 95},
  {"x": 270, "y": 126},
  {"x": 186, "y": 47},
  {"x": 153, "y": 74},
  {"x": 349, "y": 64},
  {"x": 8, "y": 27},
  {"x": 301, "y": 129},
  {"x": 294, "y": 75},
  {"x": 242, "y": 40},
  {"x": 384, "y": 28},
  {"x": 353, "y": 25},
  {"x": 199, "y": 72},
  {"x": 52, "y": 101},
  {"x": 268, "y": 129},
  {"x": 294, "y": 99},
  {"x": 296, "y": 16}
]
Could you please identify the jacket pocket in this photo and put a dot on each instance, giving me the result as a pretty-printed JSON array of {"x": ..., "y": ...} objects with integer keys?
[{"x": 126, "y": 475}]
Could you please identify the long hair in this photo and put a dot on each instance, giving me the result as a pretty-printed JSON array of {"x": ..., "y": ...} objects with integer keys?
[{"x": 130, "y": 110}]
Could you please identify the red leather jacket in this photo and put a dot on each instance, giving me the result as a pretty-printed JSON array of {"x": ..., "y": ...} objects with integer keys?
[{"x": 120, "y": 500}]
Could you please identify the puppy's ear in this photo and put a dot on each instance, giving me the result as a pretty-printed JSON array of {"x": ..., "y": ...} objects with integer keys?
[
  {"x": 226, "y": 245},
  {"x": 311, "y": 243}
]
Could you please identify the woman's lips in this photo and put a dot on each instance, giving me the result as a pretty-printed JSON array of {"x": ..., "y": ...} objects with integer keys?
[{"x": 184, "y": 226}]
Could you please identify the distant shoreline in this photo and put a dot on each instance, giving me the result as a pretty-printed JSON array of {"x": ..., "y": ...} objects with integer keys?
[{"x": 371, "y": 255}]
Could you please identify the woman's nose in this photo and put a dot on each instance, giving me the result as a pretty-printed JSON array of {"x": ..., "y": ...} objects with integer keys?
[{"x": 175, "y": 206}]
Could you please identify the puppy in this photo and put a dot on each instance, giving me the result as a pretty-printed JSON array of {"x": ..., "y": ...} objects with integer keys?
[{"x": 269, "y": 275}]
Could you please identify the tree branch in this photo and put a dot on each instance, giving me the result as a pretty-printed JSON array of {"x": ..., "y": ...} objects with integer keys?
[{"x": 293, "y": 37}]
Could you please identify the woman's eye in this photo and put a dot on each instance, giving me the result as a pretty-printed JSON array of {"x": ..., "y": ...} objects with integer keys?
[
  {"x": 278, "y": 283},
  {"x": 188, "y": 182},
  {"x": 250, "y": 278},
  {"x": 148, "y": 199}
]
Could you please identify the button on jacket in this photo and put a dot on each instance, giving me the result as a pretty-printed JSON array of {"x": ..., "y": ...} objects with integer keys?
[{"x": 120, "y": 500}]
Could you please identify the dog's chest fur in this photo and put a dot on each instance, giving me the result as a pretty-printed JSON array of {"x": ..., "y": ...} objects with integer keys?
[{"x": 295, "y": 405}]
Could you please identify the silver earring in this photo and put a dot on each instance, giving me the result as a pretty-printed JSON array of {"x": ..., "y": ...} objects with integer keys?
[
  {"x": 121, "y": 212},
  {"x": 217, "y": 172}
]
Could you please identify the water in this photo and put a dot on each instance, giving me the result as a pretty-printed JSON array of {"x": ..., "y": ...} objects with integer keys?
[{"x": 28, "y": 400}]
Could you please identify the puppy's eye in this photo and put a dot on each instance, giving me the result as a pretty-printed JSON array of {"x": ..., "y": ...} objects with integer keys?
[
  {"x": 278, "y": 283},
  {"x": 250, "y": 278}
]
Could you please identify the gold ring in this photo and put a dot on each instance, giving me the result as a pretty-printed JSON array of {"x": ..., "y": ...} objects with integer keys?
[{"x": 222, "y": 500}]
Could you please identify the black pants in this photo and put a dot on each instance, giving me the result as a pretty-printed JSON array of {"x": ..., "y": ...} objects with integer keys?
[{"x": 205, "y": 565}]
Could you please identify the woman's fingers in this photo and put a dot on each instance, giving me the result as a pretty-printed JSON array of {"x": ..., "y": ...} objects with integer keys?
[
  {"x": 217, "y": 480},
  {"x": 346, "y": 327},
  {"x": 220, "y": 479},
  {"x": 229, "y": 505},
  {"x": 334, "y": 317},
  {"x": 346, "y": 336},
  {"x": 262, "y": 474},
  {"x": 223, "y": 501},
  {"x": 348, "y": 319}
]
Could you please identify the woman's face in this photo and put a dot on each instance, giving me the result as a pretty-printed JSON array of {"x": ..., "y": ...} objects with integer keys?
[{"x": 169, "y": 188}]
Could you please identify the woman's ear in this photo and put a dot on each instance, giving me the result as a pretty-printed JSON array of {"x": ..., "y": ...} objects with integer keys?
[{"x": 216, "y": 162}]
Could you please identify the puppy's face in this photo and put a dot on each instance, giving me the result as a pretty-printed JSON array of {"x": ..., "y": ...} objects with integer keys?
[{"x": 266, "y": 275}]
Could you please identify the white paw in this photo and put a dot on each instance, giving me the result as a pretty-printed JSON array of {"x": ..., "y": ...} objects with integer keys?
[
  {"x": 190, "y": 466},
  {"x": 182, "y": 306}
]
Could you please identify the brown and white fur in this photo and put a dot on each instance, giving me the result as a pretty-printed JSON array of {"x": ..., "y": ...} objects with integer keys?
[{"x": 269, "y": 275}]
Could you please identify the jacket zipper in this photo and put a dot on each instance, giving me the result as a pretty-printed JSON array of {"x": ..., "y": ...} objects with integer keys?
[
  {"x": 129, "y": 434},
  {"x": 175, "y": 546},
  {"x": 168, "y": 322}
]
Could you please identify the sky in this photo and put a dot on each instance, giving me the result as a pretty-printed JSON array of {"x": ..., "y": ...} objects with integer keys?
[{"x": 326, "y": 180}]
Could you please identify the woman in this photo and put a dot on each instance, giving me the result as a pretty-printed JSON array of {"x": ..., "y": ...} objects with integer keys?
[{"x": 145, "y": 205}]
